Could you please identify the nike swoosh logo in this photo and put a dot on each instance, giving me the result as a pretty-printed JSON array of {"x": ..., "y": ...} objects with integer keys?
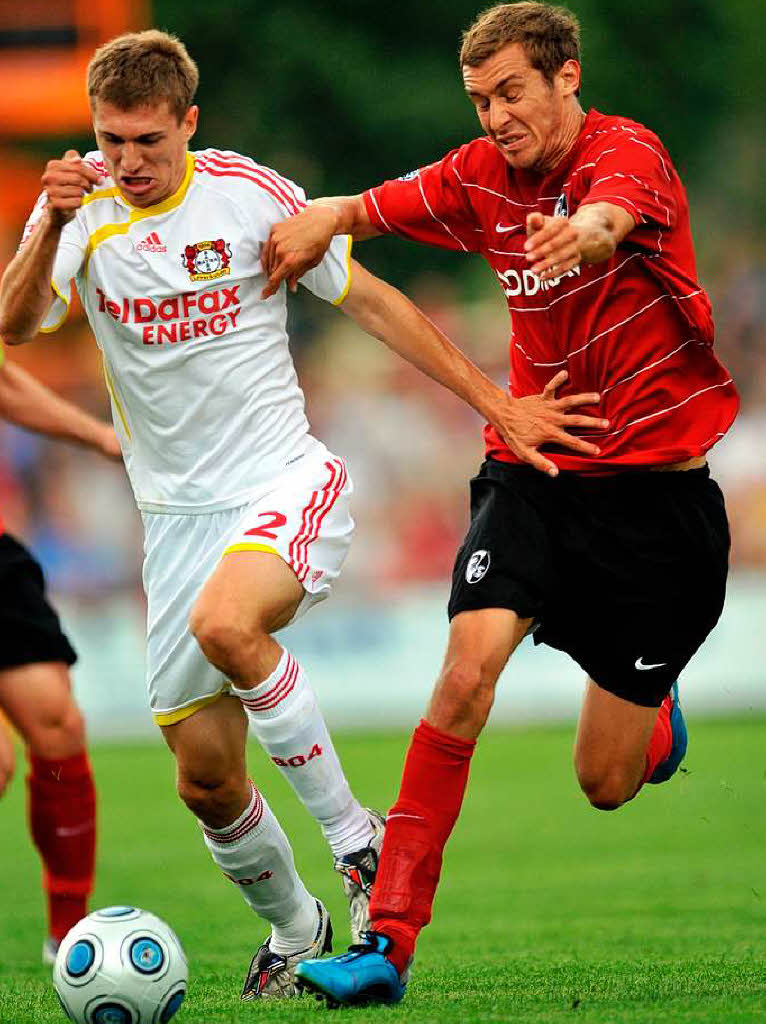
[
  {"x": 643, "y": 668},
  {"x": 503, "y": 229}
]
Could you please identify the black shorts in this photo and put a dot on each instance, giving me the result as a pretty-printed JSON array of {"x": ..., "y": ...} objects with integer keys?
[
  {"x": 626, "y": 573},
  {"x": 29, "y": 627}
]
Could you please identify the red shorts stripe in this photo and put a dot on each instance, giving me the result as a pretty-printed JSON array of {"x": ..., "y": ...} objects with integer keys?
[
  {"x": 333, "y": 489},
  {"x": 320, "y": 504},
  {"x": 318, "y": 499}
]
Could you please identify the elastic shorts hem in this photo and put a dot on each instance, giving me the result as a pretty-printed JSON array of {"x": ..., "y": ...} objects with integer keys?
[
  {"x": 642, "y": 698},
  {"x": 179, "y": 714},
  {"x": 519, "y": 606},
  {"x": 57, "y": 653}
]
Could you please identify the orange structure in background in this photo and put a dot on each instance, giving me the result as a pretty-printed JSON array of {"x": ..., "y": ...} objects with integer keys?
[{"x": 45, "y": 46}]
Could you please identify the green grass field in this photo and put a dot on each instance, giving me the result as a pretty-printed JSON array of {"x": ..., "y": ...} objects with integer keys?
[{"x": 548, "y": 910}]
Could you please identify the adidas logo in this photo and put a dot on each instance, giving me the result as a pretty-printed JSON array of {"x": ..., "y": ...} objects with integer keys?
[{"x": 152, "y": 243}]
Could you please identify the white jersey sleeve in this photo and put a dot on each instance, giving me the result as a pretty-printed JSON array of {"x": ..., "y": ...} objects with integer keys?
[
  {"x": 69, "y": 259},
  {"x": 329, "y": 280}
]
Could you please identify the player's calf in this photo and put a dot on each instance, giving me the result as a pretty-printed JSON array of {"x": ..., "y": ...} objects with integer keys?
[{"x": 7, "y": 761}]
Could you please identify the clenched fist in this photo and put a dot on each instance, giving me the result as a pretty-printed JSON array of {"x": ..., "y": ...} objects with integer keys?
[{"x": 65, "y": 183}]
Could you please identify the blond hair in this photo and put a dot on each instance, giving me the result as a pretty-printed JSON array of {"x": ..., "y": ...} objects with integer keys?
[
  {"x": 143, "y": 68},
  {"x": 550, "y": 35}
]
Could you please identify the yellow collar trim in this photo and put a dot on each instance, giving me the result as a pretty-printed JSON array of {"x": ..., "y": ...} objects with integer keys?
[{"x": 138, "y": 213}]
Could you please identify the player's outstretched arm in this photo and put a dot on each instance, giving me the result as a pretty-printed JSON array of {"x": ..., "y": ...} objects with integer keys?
[
  {"x": 28, "y": 403},
  {"x": 525, "y": 423},
  {"x": 25, "y": 290},
  {"x": 297, "y": 244}
]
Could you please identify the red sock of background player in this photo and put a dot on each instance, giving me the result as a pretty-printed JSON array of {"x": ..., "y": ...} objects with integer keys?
[
  {"x": 660, "y": 741},
  {"x": 62, "y": 820},
  {"x": 417, "y": 829}
]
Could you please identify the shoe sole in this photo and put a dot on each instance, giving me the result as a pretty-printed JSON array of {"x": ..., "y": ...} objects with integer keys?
[{"x": 305, "y": 987}]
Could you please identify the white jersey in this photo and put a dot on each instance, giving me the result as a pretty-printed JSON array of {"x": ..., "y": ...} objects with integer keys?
[{"x": 205, "y": 398}]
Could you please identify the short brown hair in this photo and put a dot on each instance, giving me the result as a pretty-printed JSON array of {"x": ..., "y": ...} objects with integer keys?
[
  {"x": 550, "y": 35},
  {"x": 141, "y": 68}
]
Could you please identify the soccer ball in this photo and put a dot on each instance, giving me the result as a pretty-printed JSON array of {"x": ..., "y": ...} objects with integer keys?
[{"x": 120, "y": 965}]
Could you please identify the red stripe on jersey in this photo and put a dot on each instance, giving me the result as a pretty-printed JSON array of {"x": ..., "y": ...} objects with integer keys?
[
  {"x": 280, "y": 183},
  {"x": 247, "y": 177}
]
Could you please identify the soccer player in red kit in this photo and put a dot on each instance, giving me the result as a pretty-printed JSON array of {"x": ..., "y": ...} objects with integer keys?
[
  {"x": 584, "y": 221},
  {"x": 35, "y": 688}
]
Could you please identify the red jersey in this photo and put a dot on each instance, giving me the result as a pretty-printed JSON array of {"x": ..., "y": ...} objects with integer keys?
[{"x": 637, "y": 327}]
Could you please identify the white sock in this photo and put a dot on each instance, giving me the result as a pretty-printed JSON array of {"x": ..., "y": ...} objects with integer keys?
[
  {"x": 254, "y": 853},
  {"x": 287, "y": 722}
]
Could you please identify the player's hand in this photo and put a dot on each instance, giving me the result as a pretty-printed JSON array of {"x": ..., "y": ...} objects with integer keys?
[
  {"x": 108, "y": 444},
  {"x": 552, "y": 245},
  {"x": 66, "y": 182},
  {"x": 296, "y": 245},
  {"x": 528, "y": 423}
]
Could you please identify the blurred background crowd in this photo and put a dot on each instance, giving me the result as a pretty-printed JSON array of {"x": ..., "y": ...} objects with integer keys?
[{"x": 339, "y": 95}]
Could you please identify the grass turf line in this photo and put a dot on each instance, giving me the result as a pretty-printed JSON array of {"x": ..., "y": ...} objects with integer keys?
[{"x": 548, "y": 910}]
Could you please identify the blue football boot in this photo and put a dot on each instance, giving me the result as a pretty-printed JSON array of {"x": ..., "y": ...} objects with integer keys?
[
  {"x": 679, "y": 739},
  {"x": 363, "y": 975}
]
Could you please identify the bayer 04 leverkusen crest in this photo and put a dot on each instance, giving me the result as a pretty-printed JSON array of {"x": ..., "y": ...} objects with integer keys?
[{"x": 207, "y": 260}]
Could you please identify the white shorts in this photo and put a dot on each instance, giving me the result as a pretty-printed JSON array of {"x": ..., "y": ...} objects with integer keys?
[{"x": 303, "y": 516}]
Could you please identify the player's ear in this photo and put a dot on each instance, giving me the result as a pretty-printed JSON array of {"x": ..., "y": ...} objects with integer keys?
[
  {"x": 569, "y": 78},
  {"x": 190, "y": 121}
]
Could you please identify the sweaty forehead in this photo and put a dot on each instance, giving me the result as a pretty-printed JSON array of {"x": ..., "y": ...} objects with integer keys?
[
  {"x": 131, "y": 123},
  {"x": 510, "y": 62}
]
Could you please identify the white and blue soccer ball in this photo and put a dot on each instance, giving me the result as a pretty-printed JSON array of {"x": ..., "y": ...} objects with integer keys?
[{"x": 121, "y": 965}]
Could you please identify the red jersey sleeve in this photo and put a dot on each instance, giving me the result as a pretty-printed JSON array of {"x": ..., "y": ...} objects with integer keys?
[
  {"x": 428, "y": 205},
  {"x": 632, "y": 169}
]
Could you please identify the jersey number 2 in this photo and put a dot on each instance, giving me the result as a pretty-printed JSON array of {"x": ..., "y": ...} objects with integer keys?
[{"x": 273, "y": 521}]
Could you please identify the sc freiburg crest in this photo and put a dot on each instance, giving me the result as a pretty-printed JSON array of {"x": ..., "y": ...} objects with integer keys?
[
  {"x": 207, "y": 260},
  {"x": 478, "y": 565}
]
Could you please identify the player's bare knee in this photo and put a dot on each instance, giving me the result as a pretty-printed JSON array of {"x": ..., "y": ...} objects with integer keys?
[
  {"x": 225, "y": 644},
  {"x": 464, "y": 694},
  {"x": 58, "y": 731},
  {"x": 211, "y": 798},
  {"x": 606, "y": 790}
]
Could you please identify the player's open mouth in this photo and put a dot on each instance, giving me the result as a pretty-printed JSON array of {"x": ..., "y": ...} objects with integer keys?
[
  {"x": 137, "y": 186},
  {"x": 510, "y": 143}
]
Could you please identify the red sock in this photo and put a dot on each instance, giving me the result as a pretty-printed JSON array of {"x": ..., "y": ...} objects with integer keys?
[
  {"x": 660, "y": 741},
  {"x": 417, "y": 829},
  {"x": 62, "y": 820}
]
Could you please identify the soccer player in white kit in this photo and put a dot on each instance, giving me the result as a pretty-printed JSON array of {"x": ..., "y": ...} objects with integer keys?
[{"x": 164, "y": 246}]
